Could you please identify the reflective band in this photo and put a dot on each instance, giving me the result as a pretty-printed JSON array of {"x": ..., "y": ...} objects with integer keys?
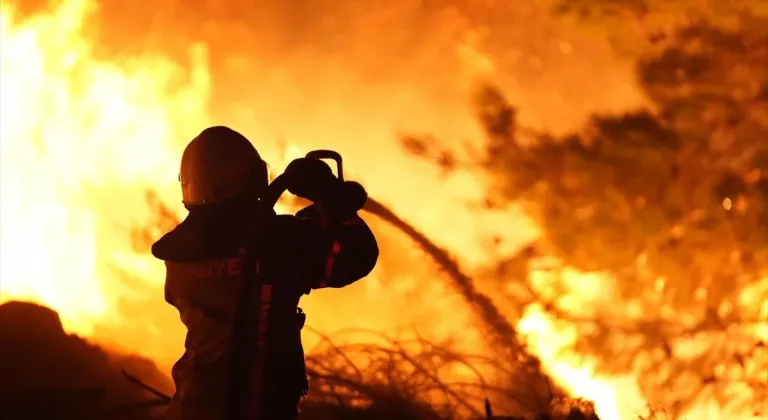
[
  {"x": 329, "y": 263},
  {"x": 261, "y": 345},
  {"x": 351, "y": 222}
]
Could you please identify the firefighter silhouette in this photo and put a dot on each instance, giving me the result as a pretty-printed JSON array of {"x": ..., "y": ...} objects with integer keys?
[{"x": 236, "y": 271}]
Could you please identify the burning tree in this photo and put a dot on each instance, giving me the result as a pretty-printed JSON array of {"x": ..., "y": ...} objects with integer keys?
[{"x": 670, "y": 201}]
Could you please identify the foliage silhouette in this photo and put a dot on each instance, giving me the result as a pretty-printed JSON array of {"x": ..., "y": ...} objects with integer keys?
[{"x": 670, "y": 201}]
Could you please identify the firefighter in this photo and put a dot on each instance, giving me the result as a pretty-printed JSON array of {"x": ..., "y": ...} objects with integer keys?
[{"x": 325, "y": 245}]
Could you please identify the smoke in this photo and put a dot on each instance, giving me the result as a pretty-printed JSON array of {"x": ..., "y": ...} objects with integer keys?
[
  {"x": 329, "y": 74},
  {"x": 293, "y": 58},
  {"x": 349, "y": 75}
]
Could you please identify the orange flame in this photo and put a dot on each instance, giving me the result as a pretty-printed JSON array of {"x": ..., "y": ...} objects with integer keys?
[{"x": 83, "y": 137}]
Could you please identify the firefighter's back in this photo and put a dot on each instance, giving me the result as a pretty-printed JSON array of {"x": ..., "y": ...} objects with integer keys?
[
  {"x": 203, "y": 292},
  {"x": 203, "y": 286},
  {"x": 223, "y": 182}
]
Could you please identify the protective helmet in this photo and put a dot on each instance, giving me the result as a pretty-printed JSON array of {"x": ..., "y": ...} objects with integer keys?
[{"x": 220, "y": 164}]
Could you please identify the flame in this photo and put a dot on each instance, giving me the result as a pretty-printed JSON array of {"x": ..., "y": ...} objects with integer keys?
[
  {"x": 83, "y": 137},
  {"x": 615, "y": 397}
]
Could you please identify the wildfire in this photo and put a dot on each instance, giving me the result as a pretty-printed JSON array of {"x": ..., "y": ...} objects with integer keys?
[{"x": 83, "y": 138}]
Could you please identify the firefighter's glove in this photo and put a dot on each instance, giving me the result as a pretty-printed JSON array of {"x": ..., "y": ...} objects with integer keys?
[
  {"x": 311, "y": 179},
  {"x": 347, "y": 199}
]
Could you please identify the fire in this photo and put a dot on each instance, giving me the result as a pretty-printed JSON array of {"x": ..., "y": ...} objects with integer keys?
[
  {"x": 84, "y": 137},
  {"x": 81, "y": 139},
  {"x": 615, "y": 397}
]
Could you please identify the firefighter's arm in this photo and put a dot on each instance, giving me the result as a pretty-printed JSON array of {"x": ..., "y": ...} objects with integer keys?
[
  {"x": 336, "y": 251},
  {"x": 338, "y": 247}
]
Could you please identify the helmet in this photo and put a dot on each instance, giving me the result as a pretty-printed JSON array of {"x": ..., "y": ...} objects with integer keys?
[{"x": 220, "y": 164}]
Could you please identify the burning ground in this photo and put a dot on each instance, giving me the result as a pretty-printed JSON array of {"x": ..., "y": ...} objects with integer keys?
[
  {"x": 46, "y": 373},
  {"x": 604, "y": 225}
]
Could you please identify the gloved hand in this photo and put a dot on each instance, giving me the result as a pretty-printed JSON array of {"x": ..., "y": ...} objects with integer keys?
[
  {"x": 312, "y": 179},
  {"x": 347, "y": 199}
]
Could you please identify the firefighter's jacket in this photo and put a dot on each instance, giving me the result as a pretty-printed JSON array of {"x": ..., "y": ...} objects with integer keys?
[{"x": 201, "y": 256}]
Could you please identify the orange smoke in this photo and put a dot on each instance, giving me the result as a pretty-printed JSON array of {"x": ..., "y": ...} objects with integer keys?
[{"x": 84, "y": 137}]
